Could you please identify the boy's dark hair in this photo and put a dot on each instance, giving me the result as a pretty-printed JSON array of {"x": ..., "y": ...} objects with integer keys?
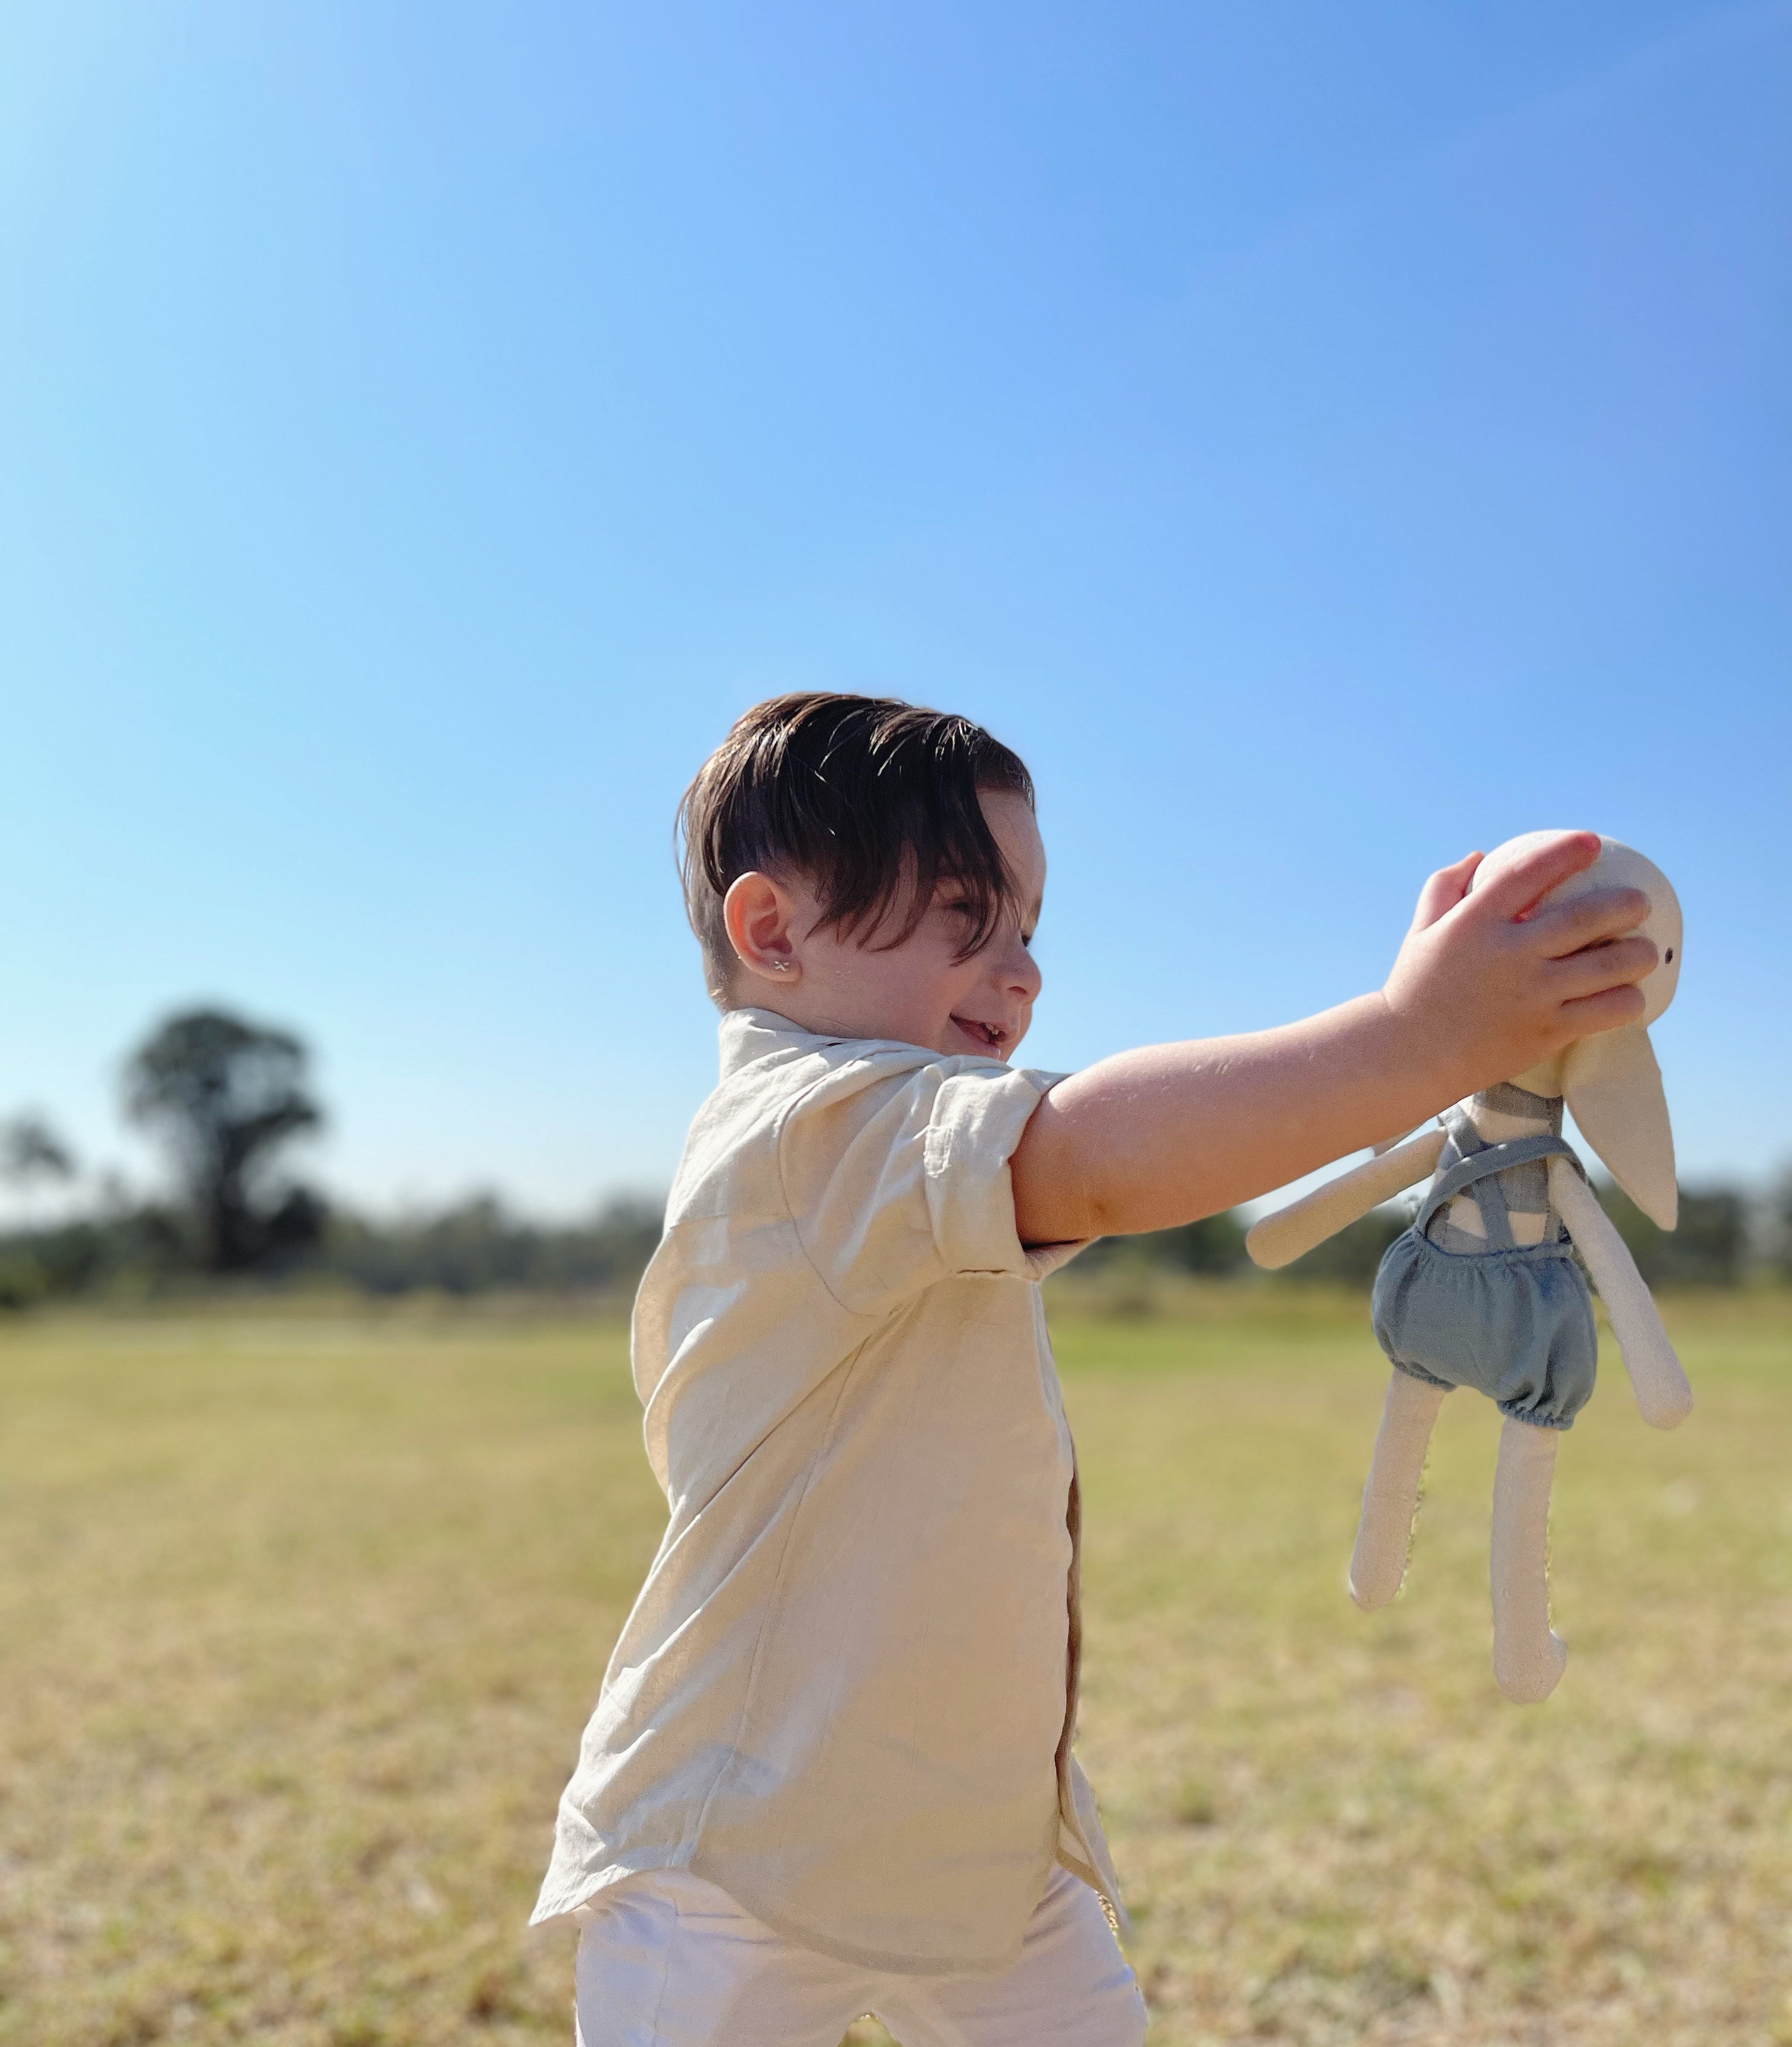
[{"x": 873, "y": 800}]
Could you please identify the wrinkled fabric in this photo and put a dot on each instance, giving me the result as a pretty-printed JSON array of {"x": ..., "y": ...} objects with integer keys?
[
  {"x": 1516, "y": 1324},
  {"x": 843, "y": 1694},
  {"x": 671, "y": 1961}
]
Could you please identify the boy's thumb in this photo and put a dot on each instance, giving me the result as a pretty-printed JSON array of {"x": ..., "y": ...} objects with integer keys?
[{"x": 1444, "y": 890}]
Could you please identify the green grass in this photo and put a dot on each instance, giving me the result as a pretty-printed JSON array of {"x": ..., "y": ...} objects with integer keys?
[{"x": 301, "y": 1618}]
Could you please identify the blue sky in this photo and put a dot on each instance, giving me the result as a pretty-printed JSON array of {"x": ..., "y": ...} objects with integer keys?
[{"x": 1322, "y": 439}]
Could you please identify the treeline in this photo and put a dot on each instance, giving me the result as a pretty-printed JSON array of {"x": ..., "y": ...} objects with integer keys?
[
  {"x": 1723, "y": 1238},
  {"x": 226, "y": 1097},
  {"x": 482, "y": 1246},
  {"x": 474, "y": 1247}
]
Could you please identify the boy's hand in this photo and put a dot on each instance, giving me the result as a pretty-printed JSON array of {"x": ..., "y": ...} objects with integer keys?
[{"x": 1504, "y": 985}]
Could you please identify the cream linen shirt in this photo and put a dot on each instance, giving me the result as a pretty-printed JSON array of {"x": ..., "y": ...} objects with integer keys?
[{"x": 845, "y": 1692}]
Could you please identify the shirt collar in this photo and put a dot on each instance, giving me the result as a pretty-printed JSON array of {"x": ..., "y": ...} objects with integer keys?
[{"x": 747, "y": 1034}]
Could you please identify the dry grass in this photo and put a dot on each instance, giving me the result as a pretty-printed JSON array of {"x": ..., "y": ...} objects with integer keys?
[
  {"x": 1333, "y": 1828},
  {"x": 301, "y": 1618}
]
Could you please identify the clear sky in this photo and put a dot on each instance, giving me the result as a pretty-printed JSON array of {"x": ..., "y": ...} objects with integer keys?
[{"x": 1321, "y": 438}]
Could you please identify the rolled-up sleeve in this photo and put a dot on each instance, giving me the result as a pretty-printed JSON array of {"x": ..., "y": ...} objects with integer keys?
[
  {"x": 977, "y": 1120},
  {"x": 902, "y": 1179}
]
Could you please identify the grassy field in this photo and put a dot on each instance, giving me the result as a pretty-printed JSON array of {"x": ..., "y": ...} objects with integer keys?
[{"x": 300, "y": 1617}]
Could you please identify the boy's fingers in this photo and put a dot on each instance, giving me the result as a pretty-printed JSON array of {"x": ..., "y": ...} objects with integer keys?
[
  {"x": 1520, "y": 886},
  {"x": 1444, "y": 890},
  {"x": 1610, "y": 1010},
  {"x": 1605, "y": 913},
  {"x": 1621, "y": 964}
]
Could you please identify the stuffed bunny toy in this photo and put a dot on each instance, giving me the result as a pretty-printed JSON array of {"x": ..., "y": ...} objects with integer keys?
[{"x": 1486, "y": 1288}]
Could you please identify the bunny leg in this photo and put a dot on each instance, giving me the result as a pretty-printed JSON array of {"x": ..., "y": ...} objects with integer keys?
[
  {"x": 1528, "y": 1659},
  {"x": 1663, "y": 1397},
  {"x": 1390, "y": 1497}
]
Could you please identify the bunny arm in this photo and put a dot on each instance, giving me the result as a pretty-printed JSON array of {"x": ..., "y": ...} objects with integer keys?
[
  {"x": 1663, "y": 1397},
  {"x": 1528, "y": 1659},
  {"x": 1278, "y": 1239},
  {"x": 1390, "y": 1494}
]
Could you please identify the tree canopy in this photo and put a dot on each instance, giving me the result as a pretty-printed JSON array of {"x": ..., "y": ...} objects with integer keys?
[
  {"x": 30, "y": 1150},
  {"x": 225, "y": 1095}
]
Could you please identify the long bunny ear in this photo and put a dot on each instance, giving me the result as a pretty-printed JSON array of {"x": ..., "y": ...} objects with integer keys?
[{"x": 1613, "y": 1089}]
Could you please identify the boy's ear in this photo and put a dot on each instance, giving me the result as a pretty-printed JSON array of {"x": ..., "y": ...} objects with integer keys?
[
  {"x": 757, "y": 915},
  {"x": 1613, "y": 1089}
]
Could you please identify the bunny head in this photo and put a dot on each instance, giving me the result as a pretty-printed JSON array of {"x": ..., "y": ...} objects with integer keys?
[{"x": 1610, "y": 1082}]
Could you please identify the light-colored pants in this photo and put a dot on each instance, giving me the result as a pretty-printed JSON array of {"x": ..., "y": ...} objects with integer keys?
[{"x": 668, "y": 1960}]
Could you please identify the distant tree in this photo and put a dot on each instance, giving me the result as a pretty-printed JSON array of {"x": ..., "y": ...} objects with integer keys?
[
  {"x": 1213, "y": 1245},
  {"x": 30, "y": 1150},
  {"x": 1777, "y": 1227},
  {"x": 224, "y": 1095},
  {"x": 1353, "y": 1257},
  {"x": 1708, "y": 1248}
]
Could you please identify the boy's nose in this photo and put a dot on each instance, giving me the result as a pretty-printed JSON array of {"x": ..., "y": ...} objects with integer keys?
[{"x": 1020, "y": 972}]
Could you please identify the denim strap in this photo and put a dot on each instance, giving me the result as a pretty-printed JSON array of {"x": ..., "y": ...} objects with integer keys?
[
  {"x": 1490, "y": 1198},
  {"x": 1494, "y": 1159}
]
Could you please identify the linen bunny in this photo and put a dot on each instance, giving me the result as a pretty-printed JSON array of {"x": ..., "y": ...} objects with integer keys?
[{"x": 1484, "y": 1290}]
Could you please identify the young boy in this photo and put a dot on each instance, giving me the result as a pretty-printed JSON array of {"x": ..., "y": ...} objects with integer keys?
[{"x": 829, "y": 1770}]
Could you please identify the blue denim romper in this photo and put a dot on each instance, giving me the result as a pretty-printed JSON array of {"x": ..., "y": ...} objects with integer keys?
[{"x": 1515, "y": 1321}]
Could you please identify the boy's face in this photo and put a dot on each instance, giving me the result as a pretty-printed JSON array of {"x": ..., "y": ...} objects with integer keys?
[{"x": 920, "y": 992}]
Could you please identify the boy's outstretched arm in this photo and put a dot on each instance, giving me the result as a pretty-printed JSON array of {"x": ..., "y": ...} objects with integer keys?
[{"x": 1482, "y": 991}]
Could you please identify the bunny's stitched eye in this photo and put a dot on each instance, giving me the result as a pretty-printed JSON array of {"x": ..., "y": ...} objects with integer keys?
[{"x": 1667, "y": 957}]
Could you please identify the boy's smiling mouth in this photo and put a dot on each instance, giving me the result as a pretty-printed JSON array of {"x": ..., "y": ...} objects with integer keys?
[{"x": 991, "y": 1035}]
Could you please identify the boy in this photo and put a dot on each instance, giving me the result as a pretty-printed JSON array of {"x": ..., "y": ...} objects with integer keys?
[{"x": 830, "y": 1766}]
